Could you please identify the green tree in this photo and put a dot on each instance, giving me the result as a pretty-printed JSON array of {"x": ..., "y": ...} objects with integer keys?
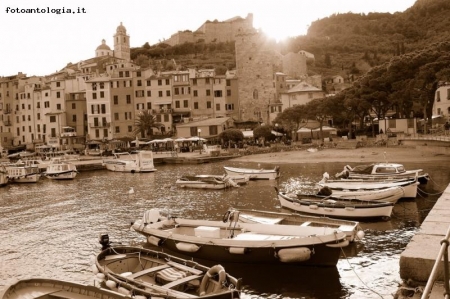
[
  {"x": 234, "y": 135},
  {"x": 144, "y": 124},
  {"x": 263, "y": 132}
]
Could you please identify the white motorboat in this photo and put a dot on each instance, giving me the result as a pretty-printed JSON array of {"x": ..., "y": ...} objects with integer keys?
[
  {"x": 155, "y": 274},
  {"x": 409, "y": 185},
  {"x": 382, "y": 171},
  {"x": 205, "y": 182},
  {"x": 349, "y": 227},
  {"x": 141, "y": 161},
  {"x": 337, "y": 208},
  {"x": 255, "y": 174},
  {"x": 60, "y": 170},
  {"x": 20, "y": 173},
  {"x": 236, "y": 242}
]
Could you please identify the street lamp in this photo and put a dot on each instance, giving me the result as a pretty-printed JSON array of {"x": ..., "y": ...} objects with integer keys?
[{"x": 199, "y": 131}]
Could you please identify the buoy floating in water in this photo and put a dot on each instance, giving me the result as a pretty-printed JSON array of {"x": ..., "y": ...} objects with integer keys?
[{"x": 131, "y": 191}]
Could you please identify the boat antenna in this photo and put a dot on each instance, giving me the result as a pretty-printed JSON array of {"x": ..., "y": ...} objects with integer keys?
[{"x": 385, "y": 160}]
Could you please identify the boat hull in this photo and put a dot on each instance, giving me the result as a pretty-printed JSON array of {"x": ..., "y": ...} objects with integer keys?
[
  {"x": 200, "y": 185},
  {"x": 350, "y": 228},
  {"x": 391, "y": 194},
  {"x": 149, "y": 272},
  {"x": 254, "y": 174},
  {"x": 246, "y": 243},
  {"x": 70, "y": 175},
  {"x": 409, "y": 186},
  {"x": 349, "y": 210},
  {"x": 127, "y": 168},
  {"x": 50, "y": 288}
]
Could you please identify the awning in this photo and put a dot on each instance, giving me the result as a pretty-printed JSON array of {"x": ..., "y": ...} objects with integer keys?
[
  {"x": 248, "y": 134},
  {"x": 276, "y": 133}
]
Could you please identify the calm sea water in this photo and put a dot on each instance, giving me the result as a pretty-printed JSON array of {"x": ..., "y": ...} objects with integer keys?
[{"x": 50, "y": 229}]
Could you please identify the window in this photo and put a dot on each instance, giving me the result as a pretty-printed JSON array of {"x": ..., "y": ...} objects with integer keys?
[
  {"x": 74, "y": 106},
  {"x": 38, "y": 105},
  {"x": 58, "y": 94},
  {"x": 149, "y": 106},
  {"x": 159, "y": 82},
  {"x": 149, "y": 93},
  {"x": 213, "y": 130},
  {"x": 208, "y": 104},
  {"x": 58, "y": 106},
  {"x": 185, "y": 103},
  {"x": 52, "y": 118},
  {"x": 94, "y": 96},
  {"x": 38, "y": 116},
  {"x": 177, "y": 104},
  {"x": 438, "y": 96},
  {"x": 194, "y": 131},
  {"x": 128, "y": 99},
  {"x": 177, "y": 91},
  {"x": 102, "y": 94},
  {"x": 229, "y": 107},
  {"x": 207, "y": 80},
  {"x": 195, "y": 93},
  {"x": 217, "y": 107},
  {"x": 116, "y": 100},
  {"x": 194, "y": 81},
  {"x": 149, "y": 83},
  {"x": 116, "y": 116},
  {"x": 158, "y": 118},
  {"x": 195, "y": 105},
  {"x": 168, "y": 93},
  {"x": 139, "y": 93},
  {"x": 208, "y": 92},
  {"x": 228, "y": 93},
  {"x": 448, "y": 94},
  {"x": 217, "y": 93},
  {"x": 167, "y": 82},
  {"x": 228, "y": 82},
  {"x": 130, "y": 128},
  {"x": 255, "y": 94},
  {"x": 74, "y": 118},
  {"x": 117, "y": 129},
  {"x": 102, "y": 85},
  {"x": 58, "y": 84},
  {"x": 139, "y": 83},
  {"x": 160, "y": 93},
  {"x": 138, "y": 74}
]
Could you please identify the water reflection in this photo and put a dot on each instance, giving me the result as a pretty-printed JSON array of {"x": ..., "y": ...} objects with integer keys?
[{"x": 50, "y": 229}]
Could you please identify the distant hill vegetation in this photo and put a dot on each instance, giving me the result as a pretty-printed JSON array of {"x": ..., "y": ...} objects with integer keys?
[{"x": 346, "y": 44}]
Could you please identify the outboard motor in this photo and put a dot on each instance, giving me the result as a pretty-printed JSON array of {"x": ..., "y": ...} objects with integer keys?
[{"x": 104, "y": 241}]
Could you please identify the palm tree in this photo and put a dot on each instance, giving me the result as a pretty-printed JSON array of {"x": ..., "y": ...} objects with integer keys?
[{"x": 145, "y": 122}]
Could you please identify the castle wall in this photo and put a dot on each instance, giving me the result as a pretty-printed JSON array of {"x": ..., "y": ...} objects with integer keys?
[{"x": 294, "y": 65}]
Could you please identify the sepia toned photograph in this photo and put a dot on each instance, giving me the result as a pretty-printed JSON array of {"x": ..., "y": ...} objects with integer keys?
[{"x": 224, "y": 149}]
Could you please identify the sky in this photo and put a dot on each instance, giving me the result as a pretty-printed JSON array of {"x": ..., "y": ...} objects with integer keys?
[{"x": 42, "y": 43}]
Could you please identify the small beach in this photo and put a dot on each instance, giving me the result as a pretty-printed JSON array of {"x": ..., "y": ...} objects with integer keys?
[{"x": 397, "y": 154}]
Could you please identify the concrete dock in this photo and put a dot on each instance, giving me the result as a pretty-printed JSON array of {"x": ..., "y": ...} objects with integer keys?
[{"x": 419, "y": 256}]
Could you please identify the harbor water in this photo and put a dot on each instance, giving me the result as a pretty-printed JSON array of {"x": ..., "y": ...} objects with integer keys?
[{"x": 51, "y": 228}]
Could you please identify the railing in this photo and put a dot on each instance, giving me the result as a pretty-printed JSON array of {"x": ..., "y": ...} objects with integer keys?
[{"x": 443, "y": 252}]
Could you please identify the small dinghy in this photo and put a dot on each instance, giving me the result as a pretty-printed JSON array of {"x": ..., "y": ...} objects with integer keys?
[{"x": 155, "y": 274}]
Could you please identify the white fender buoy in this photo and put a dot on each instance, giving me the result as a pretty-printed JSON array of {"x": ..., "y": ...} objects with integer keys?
[
  {"x": 360, "y": 235},
  {"x": 131, "y": 191},
  {"x": 154, "y": 240},
  {"x": 94, "y": 269},
  {"x": 187, "y": 247},
  {"x": 123, "y": 291},
  {"x": 236, "y": 250},
  {"x": 111, "y": 284},
  {"x": 100, "y": 276},
  {"x": 294, "y": 255}
]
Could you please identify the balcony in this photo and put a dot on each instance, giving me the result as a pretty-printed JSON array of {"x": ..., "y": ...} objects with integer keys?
[
  {"x": 7, "y": 123},
  {"x": 99, "y": 125},
  {"x": 7, "y": 111}
]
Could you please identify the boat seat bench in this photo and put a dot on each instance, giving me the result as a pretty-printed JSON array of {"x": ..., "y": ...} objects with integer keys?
[
  {"x": 148, "y": 271},
  {"x": 181, "y": 281}
]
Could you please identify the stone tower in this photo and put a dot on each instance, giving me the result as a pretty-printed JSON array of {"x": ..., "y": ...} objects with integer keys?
[
  {"x": 256, "y": 64},
  {"x": 122, "y": 43}
]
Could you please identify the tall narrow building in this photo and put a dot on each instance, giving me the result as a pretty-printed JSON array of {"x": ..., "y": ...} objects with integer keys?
[{"x": 122, "y": 43}]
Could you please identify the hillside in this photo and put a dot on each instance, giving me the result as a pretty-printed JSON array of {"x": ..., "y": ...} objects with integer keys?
[{"x": 345, "y": 44}]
